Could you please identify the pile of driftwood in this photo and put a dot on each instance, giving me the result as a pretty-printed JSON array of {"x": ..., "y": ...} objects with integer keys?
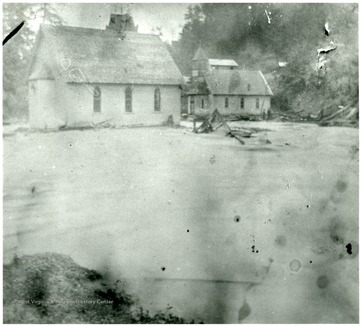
[
  {"x": 216, "y": 121},
  {"x": 295, "y": 116},
  {"x": 344, "y": 116}
]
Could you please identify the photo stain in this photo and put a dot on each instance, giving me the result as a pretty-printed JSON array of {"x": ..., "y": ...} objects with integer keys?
[
  {"x": 341, "y": 186},
  {"x": 13, "y": 32},
  {"x": 352, "y": 249},
  {"x": 336, "y": 231},
  {"x": 244, "y": 311},
  {"x": 295, "y": 265},
  {"x": 281, "y": 240},
  {"x": 322, "y": 281},
  {"x": 337, "y": 239},
  {"x": 187, "y": 231},
  {"x": 163, "y": 269},
  {"x": 335, "y": 198},
  {"x": 237, "y": 218},
  {"x": 349, "y": 248}
]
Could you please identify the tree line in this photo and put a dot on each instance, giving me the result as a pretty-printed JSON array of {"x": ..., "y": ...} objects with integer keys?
[
  {"x": 258, "y": 36},
  {"x": 17, "y": 52}
]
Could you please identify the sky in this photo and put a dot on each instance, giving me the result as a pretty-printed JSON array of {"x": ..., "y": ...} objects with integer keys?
[{"x": 169, "y": 17}]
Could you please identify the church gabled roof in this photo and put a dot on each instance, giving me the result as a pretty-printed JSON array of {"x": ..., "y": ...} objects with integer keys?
[
  {"x": 200, "y": 55},
  {"x": 102, "y": 56},
  {"x": 236, "y": 82},
  {"x": 232, "y": 82}
]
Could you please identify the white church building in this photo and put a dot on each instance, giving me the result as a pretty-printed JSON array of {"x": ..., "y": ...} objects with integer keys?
[{"x": 83, "y": 77}]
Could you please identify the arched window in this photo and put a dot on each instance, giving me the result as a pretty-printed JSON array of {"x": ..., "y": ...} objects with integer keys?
[
  {"x": 257, "y": 103},
  {"x": 242, "y": 103},
  {"x": 128, "y": 99},
  {"x": 157, "y": 99},
  {"x": 249, "y": 87},
  {"x": 226, "y": 102},
  {"x": 97, "y": 99}
]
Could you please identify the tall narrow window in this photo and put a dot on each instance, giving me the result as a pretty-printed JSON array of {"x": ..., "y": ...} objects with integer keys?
[
  {"x": 242, "y": 102},
  {"x": 157, "y": 99},
  {"x": 249, "y": 87},
  {"x": 257, "y": 103},
  {"x": 202, "y": 103},
  {"x": 97, "y": 99},
  {"x": 226, "y": 102},
  {"x": 128, "y": 99},
  {"x": 192, "y": 105}
]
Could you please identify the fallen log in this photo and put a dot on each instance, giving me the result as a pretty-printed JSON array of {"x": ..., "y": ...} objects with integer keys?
[
  {"x": 354, "y": 112},
  {"x": 103, "y": 124},
  {"x": 237, "y": 137},
  {"x": 215, "y": 121},
  {"x": 242, "y": 133},
  {"x": 217, "y": 118},
  {"x": 335, "y": 114}
]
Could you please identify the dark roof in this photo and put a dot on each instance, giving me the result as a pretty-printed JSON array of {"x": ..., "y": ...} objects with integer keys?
[
  {"x": 121, "y": 23},
  {"x": 101, "y": 56},
  {"x": 198, "y": 87},
  {"x": 235, "y": 82}
]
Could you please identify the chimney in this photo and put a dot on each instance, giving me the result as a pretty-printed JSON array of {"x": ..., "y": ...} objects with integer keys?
[{"x": 121, "y": 23}]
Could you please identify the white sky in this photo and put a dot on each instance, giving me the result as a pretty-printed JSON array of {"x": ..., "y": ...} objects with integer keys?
[{"x": 169, "y": 17}]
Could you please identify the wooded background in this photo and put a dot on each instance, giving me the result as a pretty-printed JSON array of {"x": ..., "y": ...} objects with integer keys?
[{"x": 256, "y": 36}]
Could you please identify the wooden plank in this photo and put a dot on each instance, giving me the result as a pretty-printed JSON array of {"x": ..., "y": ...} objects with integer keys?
[{"x": 342, "y": 109}]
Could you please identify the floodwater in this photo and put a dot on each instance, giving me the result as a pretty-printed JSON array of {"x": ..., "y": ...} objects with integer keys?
[{"x": 223, "y": 232}]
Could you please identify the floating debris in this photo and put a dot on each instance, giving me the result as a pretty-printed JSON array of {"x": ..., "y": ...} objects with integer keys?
[{"x": 216, "y": 121}]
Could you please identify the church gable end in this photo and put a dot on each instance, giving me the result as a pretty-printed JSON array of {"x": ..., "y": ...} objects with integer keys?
[{"x": 102, "y": 75}]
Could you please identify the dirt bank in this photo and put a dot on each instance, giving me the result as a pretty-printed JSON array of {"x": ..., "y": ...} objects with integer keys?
[{"x": 53, "y": 289}]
